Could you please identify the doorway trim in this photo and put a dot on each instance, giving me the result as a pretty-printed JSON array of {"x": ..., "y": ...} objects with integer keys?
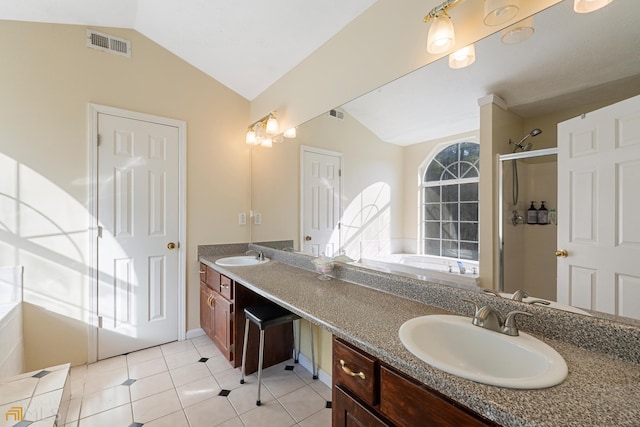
[{"x": 92, "y": 266}]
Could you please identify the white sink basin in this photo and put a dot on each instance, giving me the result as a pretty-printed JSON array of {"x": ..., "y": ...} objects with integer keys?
[
  {"x": 454, "y": 345},
  {"x": 240, "y": 261}
]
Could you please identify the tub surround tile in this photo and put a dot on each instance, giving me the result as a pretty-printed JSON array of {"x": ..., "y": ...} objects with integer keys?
[{"x": 603, "y": 355}]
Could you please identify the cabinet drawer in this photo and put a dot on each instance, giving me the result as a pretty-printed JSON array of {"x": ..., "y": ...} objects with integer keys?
[
  {"x": 404, "y": 402},
  {"x": 355, "y": 371},
  {"x": 226, "y": 287},
  {"x": 203, "y": 273},
  {"x": 213, "y": 279}
]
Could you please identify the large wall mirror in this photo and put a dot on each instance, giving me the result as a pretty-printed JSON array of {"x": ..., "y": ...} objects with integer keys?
[{"x": 384, "y": 141}]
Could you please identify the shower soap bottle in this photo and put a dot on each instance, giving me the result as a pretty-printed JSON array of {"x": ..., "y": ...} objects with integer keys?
[
  {"x": 543, "y": 214},
  {"x": 532, "y": 214}
]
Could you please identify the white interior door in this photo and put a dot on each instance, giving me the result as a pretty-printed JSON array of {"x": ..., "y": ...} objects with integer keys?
[
  {"x": 320, "y": 201},
  {"x": 598, "y": 205},
  {"x": 138, "y": 197}
]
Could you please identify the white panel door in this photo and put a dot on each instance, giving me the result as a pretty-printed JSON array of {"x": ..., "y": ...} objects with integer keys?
[
  {"x": 598, "y": 205},
  {"x": 321, "y": 195},
  {"x": 138, "y": 193}
]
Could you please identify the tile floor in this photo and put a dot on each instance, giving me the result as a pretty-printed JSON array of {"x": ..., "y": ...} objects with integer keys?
[{"x": 190, "y": 384}]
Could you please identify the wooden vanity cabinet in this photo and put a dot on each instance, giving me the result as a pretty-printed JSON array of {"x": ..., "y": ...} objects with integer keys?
[
  {"x": 222, "y": 303},
  {"x": 367, "y": 392},
  {"x": 216, "y": 309}
]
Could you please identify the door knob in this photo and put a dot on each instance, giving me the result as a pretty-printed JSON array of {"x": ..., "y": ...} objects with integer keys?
[
  {"x": 307, "y": 238},
  {"x": 171, "y": 245},
  {"x": 562, "y": 253}
]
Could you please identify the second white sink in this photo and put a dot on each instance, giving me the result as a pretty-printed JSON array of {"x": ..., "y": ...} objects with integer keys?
[
  {"x": 454, "y": 345},
  {"x": 240, "y": 261}
]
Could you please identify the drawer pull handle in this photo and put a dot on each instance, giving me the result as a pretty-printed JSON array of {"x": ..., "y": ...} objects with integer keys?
[
  {"x": 350, "y": 372},
  {"x": 202, "y": 271}
]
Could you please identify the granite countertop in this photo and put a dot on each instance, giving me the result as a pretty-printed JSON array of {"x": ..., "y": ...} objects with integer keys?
[{"x": 600, "y": 390}]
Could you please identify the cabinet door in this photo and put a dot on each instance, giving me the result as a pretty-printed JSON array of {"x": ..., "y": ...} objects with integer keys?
[
  {"x": 223, "y": 325},
  {"x": 406, "y": 403},
  {"x": 206, "y": 310},
  {"x": 346, "y": 411}
]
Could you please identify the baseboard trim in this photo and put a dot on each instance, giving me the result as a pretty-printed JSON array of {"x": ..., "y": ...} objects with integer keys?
[
  {"x": 324, "y": 377},
  {"x": 194, "y": 333}
]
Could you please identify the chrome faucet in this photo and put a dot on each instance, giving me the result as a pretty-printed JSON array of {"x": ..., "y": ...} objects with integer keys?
[
  {"x": 519, "y": 295},
  {"x": 259, "y": 254},
  {"x": 489, "y": 318}
]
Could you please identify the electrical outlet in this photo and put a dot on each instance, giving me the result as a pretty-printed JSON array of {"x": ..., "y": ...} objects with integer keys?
[
  {"x": 242, "y": 218},
  {"x": 257, "y": 218}
]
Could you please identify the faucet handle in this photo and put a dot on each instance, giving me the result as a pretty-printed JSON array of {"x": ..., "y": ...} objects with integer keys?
[
  {"x": 491, "y": 291},
  {"x": 510, "y": 328},
  {"x": 519, "y": 295}
]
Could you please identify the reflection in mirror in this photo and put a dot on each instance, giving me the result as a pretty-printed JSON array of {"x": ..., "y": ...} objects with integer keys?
[
  {"x": 527, "y": 260},
  {"x": 386, "y": 137}
]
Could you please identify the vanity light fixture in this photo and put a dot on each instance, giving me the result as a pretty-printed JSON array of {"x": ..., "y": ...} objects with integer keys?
[
  {"x": 256, "y": 132},
  {"x": 463, "y": 57},
  {"x": 497, "y": 12},
  {"x": 251, "y": 137},
  {"x": 290, "y": 133},
  {"x": 518, "y": 32},
  {"x": 441, "y": 36},
  {"x": 586, "y": 6},
  {"x": 265, "y": 131}
]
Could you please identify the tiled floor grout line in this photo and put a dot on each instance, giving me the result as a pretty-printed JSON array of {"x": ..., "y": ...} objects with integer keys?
[{"x": 90, "y": 372}]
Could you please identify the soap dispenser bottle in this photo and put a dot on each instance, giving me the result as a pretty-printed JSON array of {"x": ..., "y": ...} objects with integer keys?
[
  {"x": 543, "y": 214},
  {"x": 532, "y": 214}
]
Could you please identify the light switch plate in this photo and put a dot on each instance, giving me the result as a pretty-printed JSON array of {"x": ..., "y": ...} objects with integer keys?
[
  {"x": 242, "y": 218},
  {"x": 257, "y": 218}
]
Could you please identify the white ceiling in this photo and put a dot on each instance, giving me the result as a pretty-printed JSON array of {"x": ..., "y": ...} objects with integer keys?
[
  {"x": 572, "y": 59},
  {"x": 245, "y": 44}
]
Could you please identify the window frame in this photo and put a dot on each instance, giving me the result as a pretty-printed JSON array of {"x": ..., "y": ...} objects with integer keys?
[{"x": 440, "y": 184}]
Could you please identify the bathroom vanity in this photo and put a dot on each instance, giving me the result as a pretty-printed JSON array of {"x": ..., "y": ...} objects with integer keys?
[
  {"x": 364, "y": 312},
  {"x": 222, "y": 303}
]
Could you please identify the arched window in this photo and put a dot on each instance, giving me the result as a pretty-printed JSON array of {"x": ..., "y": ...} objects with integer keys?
[{"x": 450, "y": 202}]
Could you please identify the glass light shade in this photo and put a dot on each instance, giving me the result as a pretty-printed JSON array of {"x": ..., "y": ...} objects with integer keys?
[
  {"x": 290, "y": 133},
  {"x": 272, "y": 126},
  {"x": 267, "y": 142},
  {"x": 518, "y": 32},
  {"x": 586, "y": 6},
  {"x": 441, "y": 36},
  {"x": 251, "y": 137},
  {"x": 463, "y": 57},
  {"x": 497, "y": 12}
]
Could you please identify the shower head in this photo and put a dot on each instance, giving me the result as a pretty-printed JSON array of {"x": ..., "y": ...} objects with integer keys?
[{"x": 518, "y": 145}]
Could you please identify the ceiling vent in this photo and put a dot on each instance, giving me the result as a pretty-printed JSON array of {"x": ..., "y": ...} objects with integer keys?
[
  {"x": 337, "y": 114},
  {"x": 107, "y": 43}
]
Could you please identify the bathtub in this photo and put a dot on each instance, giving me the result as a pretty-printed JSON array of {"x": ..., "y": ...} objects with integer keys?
[{"x": 425, "y": 267}]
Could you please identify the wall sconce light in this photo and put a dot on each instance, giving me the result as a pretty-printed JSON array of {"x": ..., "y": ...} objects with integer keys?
[
  {"x": 463, "y": 57},
  {"x": 518, "y": 32},
  {"x": 497, "y": 12},
  {"x": 441, "y": 36},
  {"x": 266, "y": 130},
  {"x": 586, "y": 6}
]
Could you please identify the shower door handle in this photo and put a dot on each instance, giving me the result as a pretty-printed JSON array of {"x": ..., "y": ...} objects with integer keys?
[{"x": 562, "y": 253}]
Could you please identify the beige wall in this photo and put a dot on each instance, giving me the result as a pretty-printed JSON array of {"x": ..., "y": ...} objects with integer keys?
[{"x": 48, "y": 77}]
